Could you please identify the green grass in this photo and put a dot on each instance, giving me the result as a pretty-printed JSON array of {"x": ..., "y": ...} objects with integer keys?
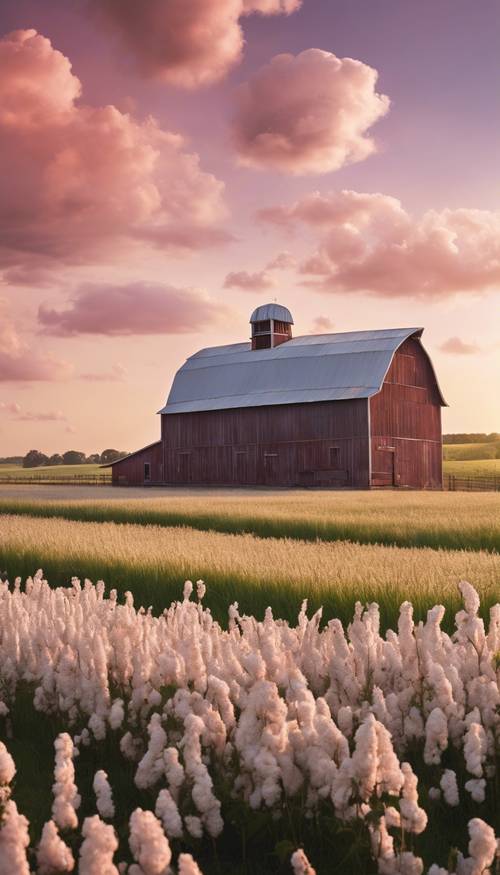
[
  {"x": 51, "y": 472},
  {"x": 471, "y": 452},
  {"x": 437, "y": 520},
  {"x": 483, "y": 468}
]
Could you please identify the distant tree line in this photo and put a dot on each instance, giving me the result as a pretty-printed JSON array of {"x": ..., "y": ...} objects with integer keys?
[
  {"x": 474, "y": 438},
  {"x": 36, "y": 459}
]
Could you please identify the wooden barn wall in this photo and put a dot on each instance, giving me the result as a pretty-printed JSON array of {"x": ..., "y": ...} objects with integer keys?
[
  {"x": 322, "y": 443},
  {"x": 406, "y": 416},
  {"x": 130, "y": 472}
]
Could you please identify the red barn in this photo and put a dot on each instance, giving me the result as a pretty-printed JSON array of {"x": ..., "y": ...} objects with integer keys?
[{"x": 358, "y": 409}]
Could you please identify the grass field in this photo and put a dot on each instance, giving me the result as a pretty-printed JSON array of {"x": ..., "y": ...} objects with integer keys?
[
  {"x": 151, "y": 561},
  {"x": 471, "y": 452},
  {"x": 473, "y": 468},
  {"x": 406, "y": 519},
  {"x": 50, "y": 472}
]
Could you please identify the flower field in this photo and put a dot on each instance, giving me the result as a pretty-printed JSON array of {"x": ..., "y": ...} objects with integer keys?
[
  {"x": 148, "y": 743},
  {"x": 359, "y": 733}
]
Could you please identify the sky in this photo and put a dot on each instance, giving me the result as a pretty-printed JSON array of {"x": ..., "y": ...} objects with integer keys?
[{"x": 169, "y": 165}]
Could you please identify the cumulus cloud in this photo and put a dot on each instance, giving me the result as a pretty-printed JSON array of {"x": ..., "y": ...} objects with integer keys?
[
  {"x": 249, "y": 282},
  {"x": 456, "y": 346},
  {"x": 184, "y": 42},
  {"x": 282, "y": 261},
  {"x": 23, "y": 362},
  {"x": 116, "y": 374},
  {"x": 369, "y": 243},
  {"x": 29, "y": 416},
  {"x": 133, "y": 309},
  {"x": 308, "y": 113},
  {"x": 271, "y": 7},
  {"x": 187, "y": 43},
  {"x": 97, "y": 179},
  {"x": 322, "y": 324}
]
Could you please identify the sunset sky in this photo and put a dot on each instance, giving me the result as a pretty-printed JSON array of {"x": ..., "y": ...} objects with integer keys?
[{"x": 168, "y": 165}]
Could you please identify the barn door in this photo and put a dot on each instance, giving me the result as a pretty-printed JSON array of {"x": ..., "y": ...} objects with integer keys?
[
  {"x": 184, "y": 467},
  {"x": 240, "y": 466},
  {"x": 384, "y": 466}
]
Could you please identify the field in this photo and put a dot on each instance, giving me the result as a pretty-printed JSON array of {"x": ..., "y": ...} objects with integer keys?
[
  {"x": 51, "y": 472},
  {"x": 268, "y": 724},
  {"x": 471, "y": 452},
  {"x": 473, "y": 468}
]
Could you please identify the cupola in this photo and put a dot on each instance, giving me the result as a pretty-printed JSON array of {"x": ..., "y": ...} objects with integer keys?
[{"x": 271, "y": 325}]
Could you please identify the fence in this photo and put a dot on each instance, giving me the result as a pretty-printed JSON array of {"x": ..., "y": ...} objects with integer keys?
[
  {"x": 76, "y": 480},
  {"x": 471, "y": 484}
]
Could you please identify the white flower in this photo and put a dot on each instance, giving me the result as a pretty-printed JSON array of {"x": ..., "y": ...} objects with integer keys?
[
  {"x": 300, "y": 864},
  {"x": 148, "y": 843},
  {"x": 53, "y": 855},
  {"x": 98, "y": 847},
  {"x": 66, "y": 798},
  {"x": 104, "y": 796}
]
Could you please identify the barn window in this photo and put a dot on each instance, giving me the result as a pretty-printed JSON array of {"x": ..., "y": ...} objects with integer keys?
[
  {"x": 147, "y": 471},
  {"x": 335, "y": 458},
  {"x": 259, "y": 327}
]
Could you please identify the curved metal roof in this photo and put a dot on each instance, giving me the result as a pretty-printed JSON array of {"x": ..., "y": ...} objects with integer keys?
[
  {"x": 324, "y": 367},
  {"x": 271, "y": 311}
]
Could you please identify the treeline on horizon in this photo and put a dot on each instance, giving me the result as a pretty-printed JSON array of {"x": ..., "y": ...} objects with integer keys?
[
  {"x": 36, "y": 459},
  {"x": 474, "y": 438}
]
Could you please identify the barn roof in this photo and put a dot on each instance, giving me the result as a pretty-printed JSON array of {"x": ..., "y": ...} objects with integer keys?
[
  {"x": 271, "y": 311},
  {"x": 323, "y": 367}
]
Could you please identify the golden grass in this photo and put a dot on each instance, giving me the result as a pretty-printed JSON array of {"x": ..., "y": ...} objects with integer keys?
[
  {"x": 434, "y": 519},
  {"x": 304, "y": 569}
]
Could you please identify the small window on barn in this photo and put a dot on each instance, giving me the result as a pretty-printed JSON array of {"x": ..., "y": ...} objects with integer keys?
[
  {"x": 335, "y": 458},
  {"x": 147, "y": 471}
]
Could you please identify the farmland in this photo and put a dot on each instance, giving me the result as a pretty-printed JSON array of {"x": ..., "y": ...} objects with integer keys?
[
  {"x": 52, "y": 472},
  {"x": 250, "y": 794}
]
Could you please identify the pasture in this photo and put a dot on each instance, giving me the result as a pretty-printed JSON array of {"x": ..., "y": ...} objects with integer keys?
[
  {"x": 52, "y": 472},
  {"x": 259, "y": 549}
]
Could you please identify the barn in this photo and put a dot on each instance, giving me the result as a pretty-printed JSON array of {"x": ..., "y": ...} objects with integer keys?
[{"x": 359, "y": 409}]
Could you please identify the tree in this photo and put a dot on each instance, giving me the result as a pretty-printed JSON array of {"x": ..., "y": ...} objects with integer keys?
[
  {"x": 93, "y": 459},
  {"x": 56, "y": 459},
  {"x": 34, "y": 459},
  {"x": 73, "y": 457},
  {"x": 108, "y": 456}
]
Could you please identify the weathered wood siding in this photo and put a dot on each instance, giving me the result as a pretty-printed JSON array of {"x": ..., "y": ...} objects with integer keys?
[
  {"x": 131, "y": 471},
  {"x": 323, "y": 443},
  {"x": 406, "y": 442}
]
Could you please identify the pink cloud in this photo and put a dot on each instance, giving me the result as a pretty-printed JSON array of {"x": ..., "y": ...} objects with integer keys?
[
  {"x": 369, "y": 243},
  {"x": 187, "y": 43},
  {"x": 97, "y": 180},
  {"x": 134, "y": 309},
  {"x": 322, "y": 324},
  {"x": 456, "y": 346},
  {"x": 10, "y": 407},
  {"x": 249, "y": 282},
  {"x": 20, "y": 361},
  {"x": 271, "y": 7},
  {"x": 183, "y": 42},
  {"x": 116, "y": 374},
  {"x": 308, "y": 113},
  {"x": 283, "y": 261},
  {"x": 50, "y": 416}
]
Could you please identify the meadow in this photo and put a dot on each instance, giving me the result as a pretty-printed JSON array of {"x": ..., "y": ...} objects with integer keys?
[
  {"x": 406, "y": 519},
  {"x": 269, "y": 708},
  {"x": 52, "y": 472}
]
